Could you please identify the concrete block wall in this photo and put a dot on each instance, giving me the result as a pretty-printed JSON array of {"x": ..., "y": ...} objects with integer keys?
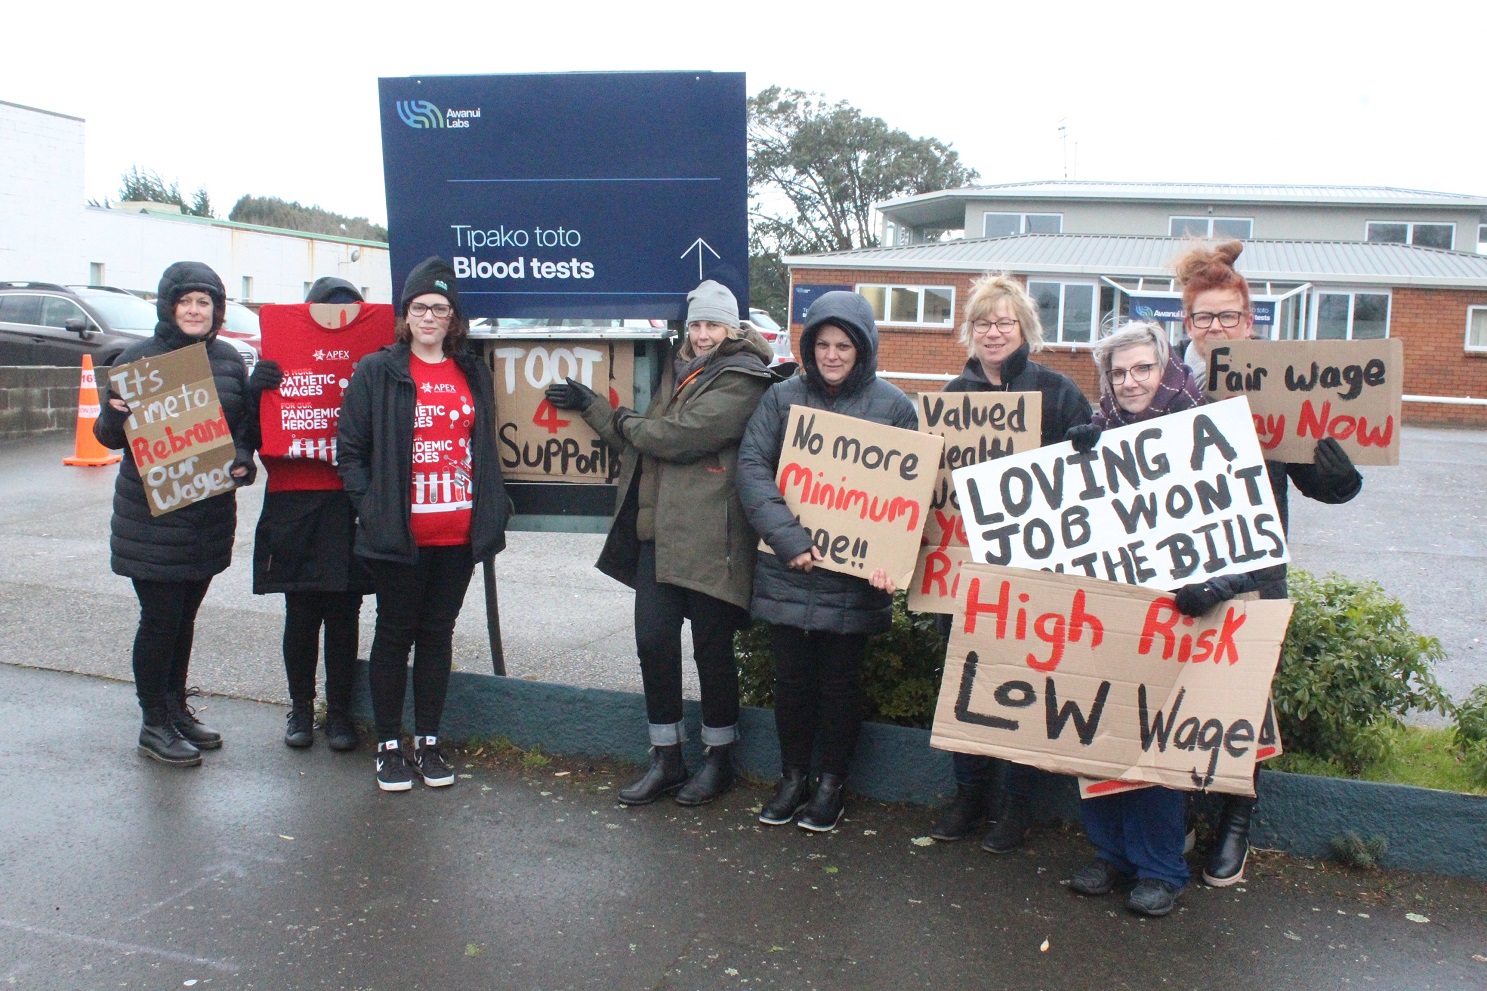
[{"x": 37, "y": 399}]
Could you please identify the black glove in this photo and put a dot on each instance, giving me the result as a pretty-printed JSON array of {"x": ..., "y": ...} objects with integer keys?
[
  {"x": 569, "y": 394},
  {"x": 266, "y": 375},
  {"x": 247, "y": 462},
  {"x": 1084, "y": 437},
  {"x": 1195, "y": 600},
  {"x": 1333, "y": 464}
]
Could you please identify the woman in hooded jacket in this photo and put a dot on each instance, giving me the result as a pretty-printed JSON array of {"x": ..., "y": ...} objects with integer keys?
[
  {"x": 819, "y": 620},
  {"x": 679, "y": 536},
  {"x": 1001, "y": 332},
  {"x": 172, "y": 558}
]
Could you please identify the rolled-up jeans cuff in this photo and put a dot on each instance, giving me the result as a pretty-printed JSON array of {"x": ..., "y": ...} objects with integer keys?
[
  {"x": 668, "y": 734},
  {"x": 718, "y": 736}
]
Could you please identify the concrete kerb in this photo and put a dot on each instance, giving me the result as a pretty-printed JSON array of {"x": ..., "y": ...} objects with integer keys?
[{"x": 1431, "y": 831}]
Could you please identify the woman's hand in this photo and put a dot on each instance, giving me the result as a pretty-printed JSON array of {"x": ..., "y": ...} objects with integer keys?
[
  {"x": 118, "y": 404},
  {"x": 879, "y": 580},
  {"x": 804, "y": 562},
  {"x": 241, "y": 471}
]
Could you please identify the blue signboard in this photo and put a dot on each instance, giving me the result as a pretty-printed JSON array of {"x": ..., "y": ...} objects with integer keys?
[
  {"x": 570, "y": 195},
  {"x": 801, "y": 298},
  {"x": 1164, "y": 308}
]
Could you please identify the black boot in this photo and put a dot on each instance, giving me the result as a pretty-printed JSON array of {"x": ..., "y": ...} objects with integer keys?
[
  {"x": 715, "y": 776},
  {"x": 964, "y": 815},
  {"x": 160, "y": 740},
  {"x": 824, "y": 809},
  {"x": 1010, "y": 828},
  {"x": 340, "y": 731},
  {"x": 1225, "y": 865},
  {"x": 183, "y": 718},
  {"x": 790, "y": 796},
  {"x": 301, "y": 729},
  {"x": 666, "y": 774}
]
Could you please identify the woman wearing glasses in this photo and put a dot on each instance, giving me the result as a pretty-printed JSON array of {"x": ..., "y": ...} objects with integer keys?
[
  {"x": 417, "y": 452},
  {"x": 1000, "y": 332},
  {"x": 1216, "y": 299},
  {"x": 1139, "y": 835}
]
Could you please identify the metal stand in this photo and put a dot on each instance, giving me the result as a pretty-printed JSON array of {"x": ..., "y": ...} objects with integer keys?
[{"x": 493, "y": 618}]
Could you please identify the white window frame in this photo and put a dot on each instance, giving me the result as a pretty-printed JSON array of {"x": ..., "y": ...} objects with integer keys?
[
  {"x": 1352, "y": 292},
  {"x": 1055, "y": 335},
  {"x": 1021, "y": 220},
  {"x": 888, "y": 288},
  {"x": 1208, "y": 224},
  {"x": 247, "y": 288},
  {"x": 1409, "y": 230},
  {"x": 1467, "y": 340}
]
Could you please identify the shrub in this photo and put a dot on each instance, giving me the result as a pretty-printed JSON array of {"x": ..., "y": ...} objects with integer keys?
[
  {"x": 1470, "y": 734},
  {"x": 1351, "y": 667},
  {"x": 900, "y": 674},
  {"x": 1352, "y": 850}
]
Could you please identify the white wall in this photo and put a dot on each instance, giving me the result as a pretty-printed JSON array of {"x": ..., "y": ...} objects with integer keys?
[{"x": 41, "y": 195}]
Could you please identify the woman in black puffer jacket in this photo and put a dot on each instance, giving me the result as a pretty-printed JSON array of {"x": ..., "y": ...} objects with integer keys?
[
  {"x": 172, "y": 558},
  {"x": 820, "y": 621}
]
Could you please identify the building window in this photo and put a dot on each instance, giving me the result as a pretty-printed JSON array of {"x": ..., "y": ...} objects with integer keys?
[
  {"x": 1007, "y": 224},
  {"x": 920, "y": 306},
  {"x": 366, "y": 292},
  {"x": 1066, "y": 310},
  {"x": 1423, "y": 235},
  {"x": 95, "y": 274},
  {"x": 1350, "y": 316},
  {"x": 1223, "y": 228},
  {"x": 1476, "y": 328},
  {"x": 247, "y": 288}
]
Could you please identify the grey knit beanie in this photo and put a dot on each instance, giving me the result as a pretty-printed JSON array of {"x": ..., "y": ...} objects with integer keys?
[{"x": 712, "y": 301}]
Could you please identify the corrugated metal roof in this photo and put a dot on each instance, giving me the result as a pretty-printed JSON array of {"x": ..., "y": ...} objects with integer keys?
[
  {"x": 1205, "y": 191},
  {"x": 1337, "y": 262}
]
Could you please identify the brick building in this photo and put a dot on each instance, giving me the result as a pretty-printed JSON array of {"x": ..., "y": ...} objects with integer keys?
[{"x": 1433, "y": 300}]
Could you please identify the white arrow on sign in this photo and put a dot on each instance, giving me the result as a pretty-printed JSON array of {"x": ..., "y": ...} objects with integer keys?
[{"x": 699, "y": 244}]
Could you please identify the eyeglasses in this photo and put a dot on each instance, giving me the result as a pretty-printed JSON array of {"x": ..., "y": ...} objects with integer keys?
[
  {"x": 985, "y": 326},
  {"x": 1138, "y": 373},
  {"x": 440, "y": 310},
  {"x": 1228, "y": 319}
]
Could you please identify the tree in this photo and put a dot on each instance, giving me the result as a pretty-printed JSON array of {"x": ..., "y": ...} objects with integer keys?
[
  {"x": 830, "y": 164},
  {"x": 148, "y": 187},
  {"x": 270, "y": 211}
]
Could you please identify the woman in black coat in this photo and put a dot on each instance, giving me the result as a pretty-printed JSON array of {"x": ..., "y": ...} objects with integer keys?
[
  {"x": 172, "y": 558},
  {"x": 1001, "y": 330},
  {"x": 416, "y": 447}
]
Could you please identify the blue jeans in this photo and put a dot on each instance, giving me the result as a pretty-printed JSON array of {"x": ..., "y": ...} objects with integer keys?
[{"x": 1140, "y": 833}]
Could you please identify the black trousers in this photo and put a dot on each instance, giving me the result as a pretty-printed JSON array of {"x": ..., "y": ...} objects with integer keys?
[
  {"x": 817, "y": 695},
  {"x": 305, "y": 613},
  {"x": 659, "y": 612},
  {"x": 417, "y": 605},
  {"x": 162, "y": 644}
]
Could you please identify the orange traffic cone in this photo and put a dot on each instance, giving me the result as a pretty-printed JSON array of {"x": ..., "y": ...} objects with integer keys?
[{"x": 88, "y": 452}]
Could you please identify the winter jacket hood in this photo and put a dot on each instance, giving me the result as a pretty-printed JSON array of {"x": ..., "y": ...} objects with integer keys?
[
  {"x": 181, "y": 278},
  {"x": 854, "y": 315}
]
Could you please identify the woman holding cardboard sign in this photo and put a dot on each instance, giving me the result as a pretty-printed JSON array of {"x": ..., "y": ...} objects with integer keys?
[
  {"x": 1000, "y": 332},
  {"x": 819, "y": 620},
  {"x": 679, "y": 536},
  {"x": 173, "y": 557},
  {"x": 416, "y": 448},
  {"x": 1216, "y": 302}
]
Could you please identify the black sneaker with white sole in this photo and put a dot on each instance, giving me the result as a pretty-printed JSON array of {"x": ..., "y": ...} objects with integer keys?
[
  {"x": 392, "y": 768},
  {"x": 430, "y": 764}
]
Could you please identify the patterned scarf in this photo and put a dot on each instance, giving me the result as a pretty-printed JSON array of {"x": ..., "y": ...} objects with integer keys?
[{"x": 1177, "y": 391}]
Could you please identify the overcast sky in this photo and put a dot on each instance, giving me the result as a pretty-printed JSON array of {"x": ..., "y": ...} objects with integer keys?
[{"x": 280, "y": 99}]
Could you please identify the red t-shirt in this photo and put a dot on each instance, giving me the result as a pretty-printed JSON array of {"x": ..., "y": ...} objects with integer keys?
[
  {"x": 442, "y": 493},
  {"x": 299, "y": 418}
]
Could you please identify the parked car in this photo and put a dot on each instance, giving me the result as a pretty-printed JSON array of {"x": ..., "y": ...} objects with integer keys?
[
  {"x": 777, "y": 336},
  {"x": 43, "y": 323},
  {"x": 242, "y": 325}
]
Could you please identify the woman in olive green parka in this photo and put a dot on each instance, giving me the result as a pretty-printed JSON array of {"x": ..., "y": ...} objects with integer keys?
[{"x": 679, "y": 536}]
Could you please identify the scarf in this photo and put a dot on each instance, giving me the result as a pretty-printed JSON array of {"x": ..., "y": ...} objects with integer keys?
[{"x": 1177, "y": 391}]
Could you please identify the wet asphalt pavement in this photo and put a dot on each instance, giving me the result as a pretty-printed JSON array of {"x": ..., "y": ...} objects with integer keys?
[{"x": 273, "y": 868}]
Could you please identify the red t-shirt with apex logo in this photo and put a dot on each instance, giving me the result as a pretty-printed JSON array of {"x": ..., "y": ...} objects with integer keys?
[
  {"x": 442, "y": 421},
  {"x": 299, "y": 418}
]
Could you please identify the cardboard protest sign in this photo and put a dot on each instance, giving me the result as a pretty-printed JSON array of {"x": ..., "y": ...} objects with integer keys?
[
  {"x": 1081, "y": 676},
  {"x": 177, "y": 430},
  {"x": 540, "y": 444},
  {"x": 1163, "y": 503},
  {"x": 861, "y": 489},
  {"x": 1303, "y": 391},
  {"x": 1267, "y": 746},
  {"x": 977, "y": 426},
  {"x": 936, "y": 580}
]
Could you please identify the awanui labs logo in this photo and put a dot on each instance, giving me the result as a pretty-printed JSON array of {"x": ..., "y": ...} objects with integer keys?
[{"x": 421, "y": 115}]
